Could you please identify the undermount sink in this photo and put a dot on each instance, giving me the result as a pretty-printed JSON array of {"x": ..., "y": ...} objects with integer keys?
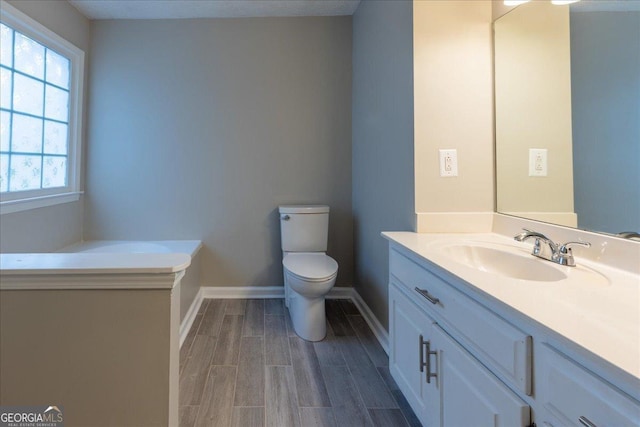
[{"x": 504, "y": 263}]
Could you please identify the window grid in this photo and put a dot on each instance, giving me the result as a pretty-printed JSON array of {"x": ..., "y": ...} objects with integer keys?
[{"x": 43, "y": 118}]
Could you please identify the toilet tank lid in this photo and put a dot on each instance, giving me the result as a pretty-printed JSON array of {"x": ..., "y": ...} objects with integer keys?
[{"x": 303, "y": 209}]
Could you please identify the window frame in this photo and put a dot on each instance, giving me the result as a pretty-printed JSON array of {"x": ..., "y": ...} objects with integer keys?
[{"x": 16, "y": 201}]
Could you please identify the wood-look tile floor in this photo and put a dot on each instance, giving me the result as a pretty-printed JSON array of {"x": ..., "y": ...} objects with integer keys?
[{"x": 243, "y": 365}]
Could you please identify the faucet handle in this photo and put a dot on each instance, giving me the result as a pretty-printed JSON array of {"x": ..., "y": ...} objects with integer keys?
[
  {"x": 564, "y": 255},
  {"x": 566, "y": 247}
]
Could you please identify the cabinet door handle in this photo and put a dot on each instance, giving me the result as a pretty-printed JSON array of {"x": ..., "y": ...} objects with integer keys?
[
  {"x": 427, "y": 295},
  {"x": 428, "y": 362},
  {"x": 585, "y": 422},
  {"x": 422, "y": 363}
]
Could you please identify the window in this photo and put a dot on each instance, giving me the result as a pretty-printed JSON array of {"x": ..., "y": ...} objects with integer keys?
[{"x": 40, "y": 114}]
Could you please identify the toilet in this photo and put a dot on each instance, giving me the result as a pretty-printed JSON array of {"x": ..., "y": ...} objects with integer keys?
[{"x": 309, "y": 273}]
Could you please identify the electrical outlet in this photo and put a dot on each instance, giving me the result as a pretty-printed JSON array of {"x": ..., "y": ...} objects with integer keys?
[
  {"x": 449, "y": 162},
  {"x": 537, "y": 162}
]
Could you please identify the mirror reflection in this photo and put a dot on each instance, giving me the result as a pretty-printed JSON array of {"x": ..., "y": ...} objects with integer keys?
[{"x": 567, "y": 91}]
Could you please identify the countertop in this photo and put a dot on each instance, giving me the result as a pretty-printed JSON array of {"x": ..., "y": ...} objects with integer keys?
[{"x": 602, "y": 316}]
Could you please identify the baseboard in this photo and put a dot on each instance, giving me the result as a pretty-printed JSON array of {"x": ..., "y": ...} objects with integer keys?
[
  {"x": 236, "y": 292},
  {"x": 261, "y": 292},
  {"x": 340, "y": 292},
  {"x": 376, "y": 327},
  {"x": 189, "y": 318}
]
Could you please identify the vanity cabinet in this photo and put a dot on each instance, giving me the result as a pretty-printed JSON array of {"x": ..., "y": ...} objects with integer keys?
[
  {"x": 444, "y": 383},
  {"x": 409, "y": 327},
  {"x": 462, "y": 359},
  {"x": 468, "y": 393},
  {"x": 571, "y": 395}
]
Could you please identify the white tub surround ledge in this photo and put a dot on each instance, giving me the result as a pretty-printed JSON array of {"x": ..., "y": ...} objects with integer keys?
[
  {"x": 189, "y": 283},
  {"x": 190, "y": 247},
  {"x": 92, "y": 270}
]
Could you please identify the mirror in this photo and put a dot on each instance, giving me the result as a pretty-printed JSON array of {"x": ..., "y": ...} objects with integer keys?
[{"x": 567, "y": 94}]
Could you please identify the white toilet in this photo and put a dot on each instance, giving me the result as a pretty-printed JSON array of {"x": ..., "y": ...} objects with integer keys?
[{"x": 309, "y": 274}]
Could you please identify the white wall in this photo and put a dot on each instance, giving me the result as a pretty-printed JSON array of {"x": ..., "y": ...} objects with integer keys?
[
  {"x": 453, "y": 104},
  {"x": 383, "y": 198},
  {"x": 50, "y": 228},
  {"x": 200, "y": 128}
]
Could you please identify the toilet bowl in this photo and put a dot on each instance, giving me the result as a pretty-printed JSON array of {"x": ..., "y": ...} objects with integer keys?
[
  {"x": 309, "y": 273},
  {"x": 309, "y": 277}
]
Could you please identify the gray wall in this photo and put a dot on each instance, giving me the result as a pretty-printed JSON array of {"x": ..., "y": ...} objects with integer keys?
[
  {"x": 199, "y": 129},
  {"x": 50, "y": 228},
  {"x": 383, "y": 174},
  {"x": 605, "y": 76}
]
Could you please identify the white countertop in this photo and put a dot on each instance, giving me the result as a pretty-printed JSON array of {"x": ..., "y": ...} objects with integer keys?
[
  {"x": 91, "y": 263},
  {"x": 602, "y": 316}
]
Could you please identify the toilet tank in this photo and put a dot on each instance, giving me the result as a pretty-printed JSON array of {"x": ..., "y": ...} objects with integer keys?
[{"x": 304, "y": 228}]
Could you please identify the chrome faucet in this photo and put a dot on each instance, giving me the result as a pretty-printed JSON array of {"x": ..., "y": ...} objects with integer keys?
[
  {"x": 629, "y": 235},
  {"x": 545, "y": 248}
]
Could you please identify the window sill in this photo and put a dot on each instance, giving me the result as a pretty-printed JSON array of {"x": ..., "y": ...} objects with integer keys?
[{"x": 11, "y": 206}]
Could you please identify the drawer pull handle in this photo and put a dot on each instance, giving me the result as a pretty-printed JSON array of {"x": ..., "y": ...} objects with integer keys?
[
  {"x": 427, "y": 295},
  {"x": 585, "y": 422}
]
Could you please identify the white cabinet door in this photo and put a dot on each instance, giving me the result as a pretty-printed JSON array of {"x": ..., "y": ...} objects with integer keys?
[
  {"x": 573, "y": 396},
  {"x": 408, "y": 327},
  {"x": 469, "y": 394}
]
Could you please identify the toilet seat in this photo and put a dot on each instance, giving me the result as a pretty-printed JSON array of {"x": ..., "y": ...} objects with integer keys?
[{"x": 310, "y": 266}]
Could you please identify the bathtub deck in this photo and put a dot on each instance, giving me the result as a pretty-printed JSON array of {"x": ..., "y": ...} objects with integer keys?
[
  {"x": 243, "y": 365},
  {"x": 189, "y": 247}
]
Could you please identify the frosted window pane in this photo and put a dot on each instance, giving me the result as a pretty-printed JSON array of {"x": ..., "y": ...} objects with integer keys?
[
  {"x": 55, "y": 138},
  {"x": 5, "y": 88},
  {"x": 27, "y": 95},
  {"x": 26, "y": 135},
  {"x": 54, "y": 172},
  {"x": 5, "y": 118},
  {"x": 57, "y": 69},
  {"x": 6, "y": 46},
  {"x": 4, "y": 172},
  {"x": 25, "y": 173},
  {"x": 28, "y": 56},
  {"x": 56, "y": 104}
]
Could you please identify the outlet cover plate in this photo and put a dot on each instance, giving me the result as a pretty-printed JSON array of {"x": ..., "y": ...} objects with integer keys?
[
  {"x": 448, "y": 162},
  {"x": 537, "y": 162}
]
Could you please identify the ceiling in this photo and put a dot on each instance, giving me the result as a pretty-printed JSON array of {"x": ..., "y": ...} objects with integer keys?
[{"x": 180, "y": 9}]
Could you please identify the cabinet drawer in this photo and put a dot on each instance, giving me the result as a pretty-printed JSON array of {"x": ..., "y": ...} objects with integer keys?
[
  {"x": 495, "y": 342},
  {"x": 571, "y": 393}
]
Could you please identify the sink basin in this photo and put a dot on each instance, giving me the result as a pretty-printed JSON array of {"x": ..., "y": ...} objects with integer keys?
[{"x": 505, "y": 263}]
